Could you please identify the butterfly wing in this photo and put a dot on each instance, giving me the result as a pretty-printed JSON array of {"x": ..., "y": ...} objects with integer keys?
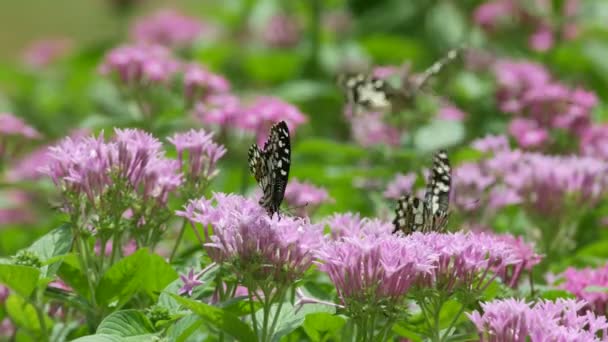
[
  {"x": 366, "y": 93},
  {"x": 409, "y": 215},
  {"x": 437, "y": 196},
  {"x": 421, "y": 79}
]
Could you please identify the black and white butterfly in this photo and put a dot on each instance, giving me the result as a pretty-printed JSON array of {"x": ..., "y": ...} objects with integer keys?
[
  {"x": 430, "y": 214},
  {"x": 270, "y": 166},
  {"x": 366, "y": 93}
]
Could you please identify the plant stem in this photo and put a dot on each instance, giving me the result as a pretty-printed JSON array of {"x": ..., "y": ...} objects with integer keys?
[
  {"x": 179, "y": 240},
  {"x": 252, "y": 308},
  {"x": 38, "y": 305},
  {"x": 451, "y": 326},
  {"x": 280, "y": 296}
]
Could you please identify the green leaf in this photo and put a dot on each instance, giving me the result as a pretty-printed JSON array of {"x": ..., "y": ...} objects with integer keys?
[
  {"x": 24, "y": 314},
  {"x": 600, "y": 289},
  {"x": 125, "y": 323},
  {"x": 184, "y": 328},
  {"x": 439, "y": 134},
  {"x": 156, "y": 275},
  {"x": 446, "y": 24},
  {"x": 221, "y": 319},
  {"x": 21, "y": 279},
  {"x": 114, "y": 338},
  {"x": 70, "y": 272},
  {"x": 56, "y": 242},
  {"x": 320, "y": 324},
  {"x": 121, "y": 281},
  {"x": 555, "y": 294}
]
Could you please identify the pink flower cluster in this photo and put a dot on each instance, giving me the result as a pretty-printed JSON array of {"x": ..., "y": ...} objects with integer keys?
[
  {"x": 11, "y": 125},
  {"x": 265, "y": 111},
  {"x": 140, "y": 65},
  {"x": 517, "y": 321},
  {"x": 133, "y": 158},
  {"x": 305, "y": 197},
  {"x": 255, "y": 244},
  {"x": 400, "y": 185},
  {"x": 541, "y": 104},
  {"x": 281, "y": 31},
  {"x": 364, "y": 260},
  {"x": 580, "y": 282},
  {"x": 537, "y": 17},
  {"x": 546, "y": 183},
  {"x": 370, "y": 129},
  {"x": 200, "y": 82},
  {"x": 169, "y": 28},
  {"x": 42, "y": 53},
  {"x": 202, "y": 154}
]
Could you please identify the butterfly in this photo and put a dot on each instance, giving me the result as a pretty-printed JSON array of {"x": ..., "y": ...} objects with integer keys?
[
  {"x": 270, "y": 166},
  {"x": 430, "y": 214},
  {"x": 368, "y": 93}
]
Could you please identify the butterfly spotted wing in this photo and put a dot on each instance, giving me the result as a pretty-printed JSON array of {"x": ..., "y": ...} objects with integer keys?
[
  {"x": 430, "y": 214},
  {"x": 367, "y": 93},
  {"x": 270, "y": 166}
]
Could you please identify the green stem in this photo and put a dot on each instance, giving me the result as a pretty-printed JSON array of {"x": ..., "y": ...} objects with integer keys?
[
  {"x": 451, "y": 326},
  {"x": 179, "y": 240},
  {"x": 40, "y": 314},
  {"x": 281, "y": 297},
  {"x": 252, "y": 308},
  {"x": 315, "y": 37},
  {"x": 267, "y": 305}
]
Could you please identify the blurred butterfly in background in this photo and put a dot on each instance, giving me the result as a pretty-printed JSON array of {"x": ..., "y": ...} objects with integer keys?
[
  {"x": 270, "y": 166},
  {"x": 367, "y": 93},
  {"x": 430, "y": 214}
]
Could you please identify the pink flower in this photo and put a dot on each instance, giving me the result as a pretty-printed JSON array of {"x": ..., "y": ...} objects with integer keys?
[
  {"x": 369, "y": 129},
  {"x": 305, "y": 197},
  {"x": 452, "y": 113},
  {"x": 127, "y": 249},
  {"x": 352, "y": 225},
  {"x": 491, "y": 143},
  {"x": 200, "y": 82},
  {"x": 489, "y": 13},
  {"x": 517, "y": 321},
  {"x": 168, "y": 27},
  {"x": 542, "y": 40},
  {"x": 266, "y": 111},
  {"x": 524, "y": 252},
  {"x": 7, "y": 328},
  {"x": 400, "y": 185},
  {"x": 370, "y": 270},
  {"x": 281, "y": 31},
  {"x": 11, "y": 125},
  {"x": 15, "y": 208},
  {"x": 580, "y": 282},
  {"x": 247, "y": 238},
  {"x": 219, "y": 109},
  {"x": 527, "y": 133},
  {"x": 139, "y": 65},
  {"x": 203, "y": 154},
  {"x": 594, "y": 141},
  {"x": 190, "y": 281},
  {"x": 40, "y": 54}
]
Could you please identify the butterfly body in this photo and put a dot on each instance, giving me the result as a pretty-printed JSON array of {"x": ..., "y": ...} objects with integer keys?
[
  {"x": 270, "y": 166},
  {"x": 431, "y": 214}
]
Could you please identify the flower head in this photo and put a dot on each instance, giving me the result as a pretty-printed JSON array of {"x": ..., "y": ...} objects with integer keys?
[
  {"x": 352, "y": 225},
  {"x": 400, "y": 185},
  {"x": 219, "y": 109},
  {"x": 580, "y": 282},
  {"x": 265, "y": 111},
  {"x": 305, "y": 197},
  {"x": 281, "y": 31},
  {"x": 200, "y": 82},
  {"x": 369, "y": 129},
  {"x": 11, "y": 125},
  {"x": 139, "y": 65},
  {"x": 518, "y": 321},
  {"x": 253, "y": 243},
  {"x": 168, "y": 28},
  {"x": 190, "y": 281},
  {"x": 42, "y": 53},
  {"x": 202, "y": 154}
]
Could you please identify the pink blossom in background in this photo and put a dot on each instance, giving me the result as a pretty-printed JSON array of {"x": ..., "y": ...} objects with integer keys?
[
  {"x": 11, "y": 125},
  {"x": 527, "y": 133},
  {"x": 594, "y": 141},
  {"x": 169, "y": 28},
  {"x": 452, "y": 113},
  {"x": 4, "y": 292},
  {"x": 15, "y": 208},
  {"x": 345, "y": 225},
  {"x": 580, "y": 282},
  {"x": 243, "y": 231},
  {"x": 219, "y": 109},
  {"x": 524, "y": 252},
  {"x": 200, "y": 82},
  {"x": 137, "y": 65},
  {"x": 281, "y": 31},
  {"x": 369, "y": 129},
  {"x": 7, "y": 328},
  {"x": 515, "y": 320},
  {"x": 542, "y": 40},
  {"x": 339, "y": 22},
  {"x": 127, "y": 249},
  {"x": 304, "y": 197},
  {"x": 470, "y": 182},
  {"x": 265, "y": 111},
  {"x": 42, "y": 53},
  {"x": 489, "y": 14},
  {"x": 202, "y": 154},
  {"x": 400, "y": 185},
  {"x": 58, "y": 283},
  {"x": 491, "y": 143}
]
